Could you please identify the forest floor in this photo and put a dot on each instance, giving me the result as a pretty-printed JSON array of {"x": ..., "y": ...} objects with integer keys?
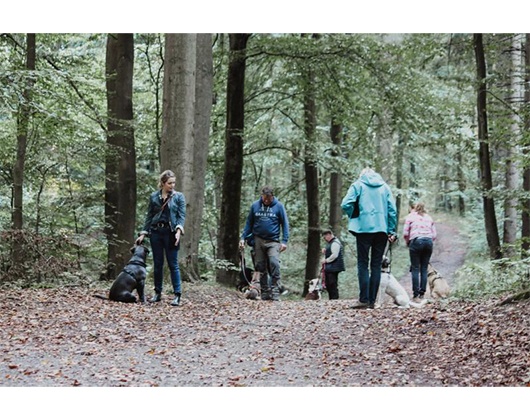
[{"x": 65, "y": 337}]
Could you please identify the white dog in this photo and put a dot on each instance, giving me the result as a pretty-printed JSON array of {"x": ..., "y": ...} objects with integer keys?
[{"x": 390, "y": 286}]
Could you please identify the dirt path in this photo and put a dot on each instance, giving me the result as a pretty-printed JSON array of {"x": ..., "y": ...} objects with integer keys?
[{"x": 65, "y": 337}]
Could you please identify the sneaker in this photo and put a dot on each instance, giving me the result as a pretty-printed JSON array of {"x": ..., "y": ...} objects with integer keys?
[
  {"x": 360, "y": 305},
  {"x": 422, "y": 296},
  {"x": 416, "y": 299}
]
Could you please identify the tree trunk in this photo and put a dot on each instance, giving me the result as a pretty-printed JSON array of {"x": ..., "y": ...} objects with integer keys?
[
  {"x": 511, "y": 173},
  {"x": 313, "y": 255},
  {"x": 120, "y": 168},
  {"x": 178, "y": 148},
  {"x": 229, "y": 229},
  {"x": 203, "y": 108},
  {"x": 490, "y": 220},
  {"x": 525, "y": 229},
  {"x": 23, "y": 118},
  {"x": 335, "y": 185}
]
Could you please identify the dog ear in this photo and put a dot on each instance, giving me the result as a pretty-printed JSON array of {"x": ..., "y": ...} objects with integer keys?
[{"x": 132, "y": 250}]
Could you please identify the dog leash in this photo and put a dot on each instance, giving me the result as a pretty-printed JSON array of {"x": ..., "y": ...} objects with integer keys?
[{"x": 243, "y": 265}]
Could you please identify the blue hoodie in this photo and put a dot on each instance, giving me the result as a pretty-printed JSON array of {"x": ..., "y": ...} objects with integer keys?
[
  {"x": 265, "y": 221},
  {"x": 377, "y": 208}
]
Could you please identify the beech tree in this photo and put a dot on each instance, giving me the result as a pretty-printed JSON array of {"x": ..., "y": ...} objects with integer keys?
[
  {"x": 23, "y": 120},
  {"x": 490, "y": 219},
  {"x": 120, "y": 163},
  {"x": 230, "y": 229}
]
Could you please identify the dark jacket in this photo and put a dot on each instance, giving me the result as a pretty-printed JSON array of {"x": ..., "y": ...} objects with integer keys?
[
  {"x": 337, "y": 265},
  {"x": 265, "y": 221},
  {"x": 177, "y": 211}
]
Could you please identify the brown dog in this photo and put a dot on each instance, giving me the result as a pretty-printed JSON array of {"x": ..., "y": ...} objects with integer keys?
[{"x": 437, "y": 284}]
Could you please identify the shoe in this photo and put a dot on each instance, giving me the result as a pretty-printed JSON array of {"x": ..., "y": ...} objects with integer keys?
[
  {"x": 156, "y": 298},
  {"x": 371, "y": 306},
  {"x": 360, "y": 305},
  {"x": 176, "y": 301},
  {"x": 417, "y": 299},
  {"x": 422, "y": 296}
]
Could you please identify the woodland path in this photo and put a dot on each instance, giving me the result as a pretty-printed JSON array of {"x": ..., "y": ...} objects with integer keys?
[{"x": 65, "y": 337}]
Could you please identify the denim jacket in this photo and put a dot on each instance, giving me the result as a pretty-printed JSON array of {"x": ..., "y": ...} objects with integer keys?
[{"x": 177, "y": 211}]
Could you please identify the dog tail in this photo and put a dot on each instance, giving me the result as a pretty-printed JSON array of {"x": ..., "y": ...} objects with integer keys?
[{"x": 101, "y": 297}]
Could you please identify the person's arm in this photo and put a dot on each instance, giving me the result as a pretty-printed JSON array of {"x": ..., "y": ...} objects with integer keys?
[
  {"x": 349, "y": 200},
  {"x": 181, "y": 212},
  {"x": 247, "y": 230}
]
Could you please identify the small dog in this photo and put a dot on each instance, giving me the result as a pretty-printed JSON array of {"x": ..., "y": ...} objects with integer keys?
[
  {"x": 315, "y": 289},
  {"x": 253, "y": 292},
  {"x": 437, "y": 284},
  {"x": 131, "y": 277},
  {"x": 390, "y": 286}
]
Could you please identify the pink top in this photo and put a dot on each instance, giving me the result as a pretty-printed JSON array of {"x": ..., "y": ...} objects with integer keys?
[{"x": 418, "y": 226}]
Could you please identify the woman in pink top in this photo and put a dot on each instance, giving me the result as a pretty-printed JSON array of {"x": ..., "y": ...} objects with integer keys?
[{"x": 419, "y": 233}]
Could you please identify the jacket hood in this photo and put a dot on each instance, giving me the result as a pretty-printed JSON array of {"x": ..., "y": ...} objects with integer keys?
[{"x": 372, "y": 179}]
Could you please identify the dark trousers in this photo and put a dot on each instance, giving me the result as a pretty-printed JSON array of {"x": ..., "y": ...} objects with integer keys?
[
  {"x": 163, "y": 243},
  {"x": 369, "y": 279},
  {"x": 332, "y": 285},
  {"x": 420, "y": 251}
]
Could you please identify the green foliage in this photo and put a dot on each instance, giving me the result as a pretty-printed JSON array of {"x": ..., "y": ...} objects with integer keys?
[{"x": 492, "y": 278}]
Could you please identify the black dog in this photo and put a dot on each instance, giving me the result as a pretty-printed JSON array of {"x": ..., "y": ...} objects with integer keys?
[{"x": 132, "y": 277}]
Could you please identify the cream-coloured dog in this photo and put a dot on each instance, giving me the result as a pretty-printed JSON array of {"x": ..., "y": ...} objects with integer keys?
[
  {"x": 390, "y": 286},
  {"x": 437, "y": 284}
]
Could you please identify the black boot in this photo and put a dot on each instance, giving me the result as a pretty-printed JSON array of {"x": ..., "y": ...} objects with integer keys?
[
  {"x": 156, "y": 298},
  {"x": 176, "y": 301}
]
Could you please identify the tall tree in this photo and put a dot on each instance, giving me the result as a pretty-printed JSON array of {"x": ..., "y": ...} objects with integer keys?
[
  {"x": 335, "y": 183},
  {"x": 120, "y": 164},
  {"x": 23, "y": 119},
  {"x": 229, "y": 229},
  {"x": 203, "y": 109},
  {"x": 311, "y": 178},
  {"x": 188, "y": 81},
  {"x": 511, "y": 169},
  {"x": 525, "y": 228},
  {"x": 490, "y": 220}
]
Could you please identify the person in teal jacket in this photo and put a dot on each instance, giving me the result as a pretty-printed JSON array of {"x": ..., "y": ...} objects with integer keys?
[{"x": 371, "y": 211}]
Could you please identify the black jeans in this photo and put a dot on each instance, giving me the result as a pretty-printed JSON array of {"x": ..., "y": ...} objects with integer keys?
[
  {"x": 369, "y": 280},
  {"x": 420, "y": 250},
  {"x": 332, "y": 285}
]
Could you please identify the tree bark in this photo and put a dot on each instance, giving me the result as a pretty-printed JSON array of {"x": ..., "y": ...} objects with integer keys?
[
  {"x": 203, "y": 108},
  {"x": 313, "y": 255},
  {"x": 120, "y": 166},
  {"x": 23, "y": 119},
  {"x": 490, "y": 220},
  {"x": 335, "y": 186},
  {"x": 525, "y": 229},
  {"x": 177, "y": 150},
  {"x": 229, "y": 229},
  {"x": 512, "y": 173}
]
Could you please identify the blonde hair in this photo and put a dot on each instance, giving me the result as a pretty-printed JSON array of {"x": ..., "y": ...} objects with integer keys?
[
  {"x": 164, "y": 176},
  {"x": 420, "y": 208}
]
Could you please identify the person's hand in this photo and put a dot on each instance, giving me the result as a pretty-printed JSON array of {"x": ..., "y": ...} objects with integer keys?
[
  {"x": 241, "y": 244},
  {"x": 323, "y": 261},
  {"x": 177, "y": 237},
  {"x": 283, "y": 247},
  {"x": 139, "y": 240},
  {"x": 392, "y": 238},
  {"x": 323, "y": 250}
]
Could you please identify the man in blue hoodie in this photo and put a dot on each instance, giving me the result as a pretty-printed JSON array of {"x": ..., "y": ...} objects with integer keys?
[
  {"x": 372, "y": 220},
  {"x": 265, "y": 219}
]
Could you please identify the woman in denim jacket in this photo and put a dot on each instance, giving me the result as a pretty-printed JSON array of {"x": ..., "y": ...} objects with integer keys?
[{"x": 164, "y": 225}]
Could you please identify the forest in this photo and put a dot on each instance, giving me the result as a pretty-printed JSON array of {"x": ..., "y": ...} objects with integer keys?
[{"x": 88, "y": 121}]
